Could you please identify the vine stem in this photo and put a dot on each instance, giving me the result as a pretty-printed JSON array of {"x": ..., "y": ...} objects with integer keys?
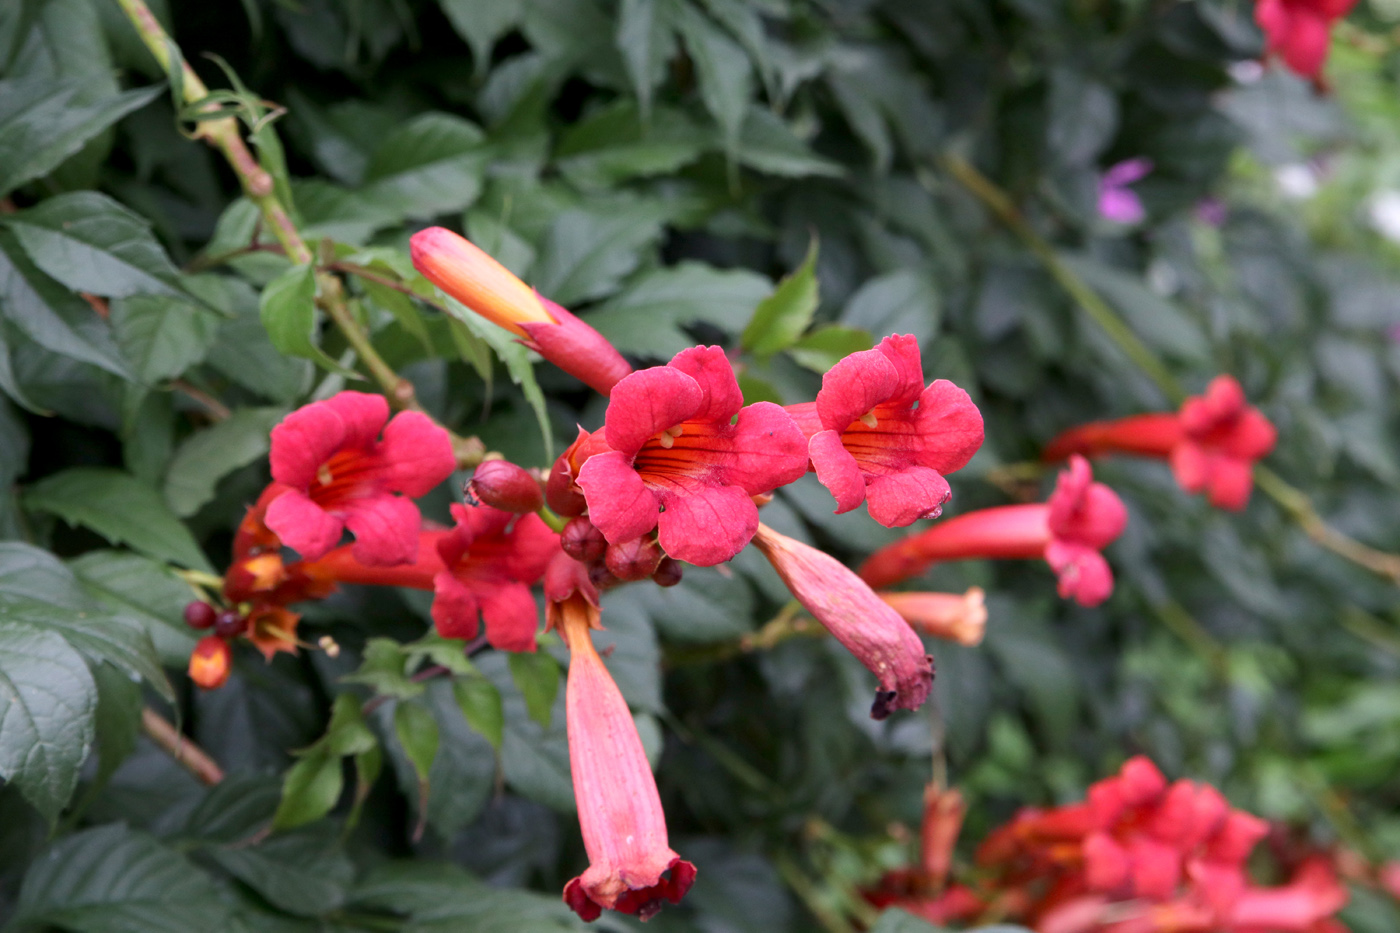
[
  {"x": 190, "y": 756},
  {"x": 1300, "y": 508}
]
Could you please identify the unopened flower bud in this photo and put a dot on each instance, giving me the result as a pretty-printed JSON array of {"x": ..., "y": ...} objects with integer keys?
[
  {"x": 210, "y": 662},
  {"x": 505, "y": 486},
  {"x": 582, "y": 541},
  {"x": 956, "y": 617},
  {"x": 200, "y": 615},
  {"x": 600, "y": 576},
  {"x": 230, "y": 624},
  {"x": 634, "y": 560},
  {"x": 668, "y": 572}
]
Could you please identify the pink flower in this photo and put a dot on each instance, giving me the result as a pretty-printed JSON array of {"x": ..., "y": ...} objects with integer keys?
[
  {"x": 632, "y": 867},
  {"x": 877, "y": 435},
  {"x": 341, "y": 475},
  {"x": 1298, "y": 31},
  {"x": 491, "y": 559},
  {"x": 1080, "y": 518},
  {"x": 1118, "y": 202},
  {"x": 868, "y": 628},
  {"x": 1212, "y": 442},
  {"x": 674, "y": 461}
]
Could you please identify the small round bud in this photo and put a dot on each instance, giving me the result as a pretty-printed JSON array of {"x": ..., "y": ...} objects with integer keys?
[
  {"x": 230, "y": 624},
  {"x": 582, "y": 541},
  {"x": 634, "y": 560},
  {"x": 505, "y": 486},
  {"x": 668, "y": 572},
  {"x": 600, "y": 576},
  {"x": 200, "y": 615}
]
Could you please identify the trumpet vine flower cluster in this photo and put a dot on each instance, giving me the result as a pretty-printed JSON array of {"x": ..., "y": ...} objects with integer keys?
[{"x": 676, "y": 473}]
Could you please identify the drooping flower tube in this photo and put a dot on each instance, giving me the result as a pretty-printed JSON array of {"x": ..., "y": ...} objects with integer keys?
[
  {"x": 462, "y": 270},
  {"x": 1080, "y": 518},
  {"x": 674, "y": 461},
  {"x": 878, "y": 435},
  {"x": 1212, "y": 442},
  {"x": 959, "y": 617},
  {"x": 1299, "y": 31},
  {"x": 341, "y": 475},
  {"x": 868, "y": 628},
  {"x": 632, "y": 868},
  {"x": 490, "y": 560}
]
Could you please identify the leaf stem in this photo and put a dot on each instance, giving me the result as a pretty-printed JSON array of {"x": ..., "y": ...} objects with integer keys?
[
  {"x": 194, "y": 759},
  {"x": 1296, "y": 503}
]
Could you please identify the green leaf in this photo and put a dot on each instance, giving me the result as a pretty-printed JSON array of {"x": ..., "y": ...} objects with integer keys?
[
  {"x": 384, "y": 670},
  {"x": 516, "y": 359},
  {"x": 647, "y": 316},
  {"x": 310, "y": 789},
  {"x": 118, "y": 719},
  {"x": 347, "y": 733},
  {"x": 121, "y": 509},
  {"x": 615, "y": 145},
  {"x": 305, "y": 873},
  {"x": 91, "y": 243},
  {"x": 900, "y": 302},
  {"x": 823, "y": 348},
  {"x": 161, "y": 336},
  {"x": 430, "y": 165},
  {"x": 117, "y": 880},
  {"x": 482, "y": 707},
  {"x": 41, "y": 124},
  {"x": 417, "y": 733},
  {"x": 645, "y": 41},
  {"x": 767, "y": 144},
  {"x": 288, "y": 311},
  {"x": 209, "y": 455},
  {"x": 1160, "y": 323},
  {"x": 537, "y": 676},
  {"x": 725, "y": 76},
  {"x": 780, "y": 319},
  {"x": 442, "y": 897},
  {"x": 243, "y": 351},
  {"x": 587, "y": 253},
  {"x": 145, "y": 590},
  {"x": 1083, "y": 117},
  {"x": 480, "y": 23},
  {"x": 895, "y": 920},
  {"x": 47, "y": 703}
]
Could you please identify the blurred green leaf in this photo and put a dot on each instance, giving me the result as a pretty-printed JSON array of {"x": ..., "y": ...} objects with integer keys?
[
  {"x": 430, "y": 165},
  {"x": 310, "y": 789},
  {"x": 780, "y": 319},
  {"x": 646, "y": 317},
  {"x": 482, "y": 707},
  {"x": 207, "y": 456},
  {"x": 537, "y": 676},
  {"x": 145, "y": 590},
  {"x": 824, "y": 347},
  {"x": 288, "y": 311}
]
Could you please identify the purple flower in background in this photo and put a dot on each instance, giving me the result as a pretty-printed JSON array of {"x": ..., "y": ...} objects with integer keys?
[
  {"x": 1212, "y": 211},
  {"x": 1118, "y": 202}
]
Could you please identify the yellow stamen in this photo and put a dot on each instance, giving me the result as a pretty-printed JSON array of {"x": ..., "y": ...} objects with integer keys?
[
  {"x": 869, "y": 420},
  {"x": 324, "y": 474},
  {"x": 668, "y": 437}
]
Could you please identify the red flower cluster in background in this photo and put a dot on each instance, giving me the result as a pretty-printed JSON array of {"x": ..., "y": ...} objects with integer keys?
[{"x": 1298, "y": 31}]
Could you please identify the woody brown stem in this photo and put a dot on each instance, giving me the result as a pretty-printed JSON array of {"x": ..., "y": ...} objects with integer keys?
[{"x": 189, "y": 755}]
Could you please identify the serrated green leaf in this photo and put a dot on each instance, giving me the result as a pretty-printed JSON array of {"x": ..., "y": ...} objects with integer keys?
[
  {"x": 117, "y": 880},
  {"x": 384, "y": 670},
  {"x": 482, "y": 707},
  {"x": 480, "y": 23},
  {"x": 161, "y": 336},
  {"x": 440, "y": 897},
  {"x": 41, "y": 124},
  {"x": 118, "y": 719},
  {"x": 780, "y": 319},
  {"x": 615, "y": 144},
  {"x": 310, "y": 789},
  {"x": 305, "y": 872},
  {"x": 586, "y": 254},
  {"x": 347, "y": 733},
  {"x": 647, "y": 316},
  {"x": 91, "y": 243},
  {"x": 207, "y": 456},
  {"x": 144, "y": 590},
  {"x": 431, "y": 165},
  {"x": 767, "y": 144},
  {"x": 537, "y": 676},
  {"x": 725, "y": 75},
  {"x": 47, "y": 703},
  {"x": 121, "y": 509},
  {"x": 824, "y": 347},
  {"x": 243, "y": 351},
  {"x": 645, "y": 40},
  {"x": 516, "y": 359},
  {"x": 288, "y": 312}
]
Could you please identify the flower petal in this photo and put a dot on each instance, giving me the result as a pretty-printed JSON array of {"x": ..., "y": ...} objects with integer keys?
[
  {"x": 455, "y": 607},
  {"x": 709, "y": 367},
  {"x": 902, "y": 498},
  {"x": 767, "y": 450},
  {"x": 302, "y": 525},
  {"x": 837, "y": 470},
  {"x": 708, "y": 525},
  {"x": 1230, "y": 483},
  {"x": 619, "y": 503},
  {"x": 646, "y": 403},
  {"x": 385, "y": 529},
  {"x": 854, "y": 386},
  {"x": 949, "y": 427},
  {"x": 308, "y": 437},
  {"x": 1253, "y": 437},
  {"x": 1191, "y": 465},
  {"x": 364, "y": 415},
  {"x": 511, "y": 617},
  {"x": 902, "y": 350},
  {"x": 418, "y": 452},
  {"x": 1084, "y": 574}
]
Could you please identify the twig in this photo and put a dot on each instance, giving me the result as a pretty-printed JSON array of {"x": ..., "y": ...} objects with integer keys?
[
  {"x": 194, "y": 759},
  {"x": 216, "y": 409},
  {"x": 1297, "y": 504}
]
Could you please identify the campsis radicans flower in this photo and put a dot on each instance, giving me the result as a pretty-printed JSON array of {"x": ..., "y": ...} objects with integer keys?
[
  {"x": 490, "y": 559},
  {"x": 957, "y": 617},
  {"x": 340, "y": 474},
  {"x": 210, "y": 662},
  {"x": 923, "y": 889},
  {"x": 1080, "y": 518},
  {"x": 684, "y": 455},
  {"x": 876, "y": 434},
  {"x": 1212, "y": 442},
  {"x": 1298, "y": 31},
  {"x": 632, "y": 867},
  {"x": 462, "y": 270},
  {"x": 868, "y": 628}
]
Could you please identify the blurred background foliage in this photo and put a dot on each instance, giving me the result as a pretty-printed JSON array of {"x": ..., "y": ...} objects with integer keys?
[{"x": 659, "y": 166}]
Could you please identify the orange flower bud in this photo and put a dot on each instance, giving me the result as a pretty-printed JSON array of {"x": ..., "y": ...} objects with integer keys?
[
  {"x": 210, "y": 662},
  {"x": 460, "y": 268}
]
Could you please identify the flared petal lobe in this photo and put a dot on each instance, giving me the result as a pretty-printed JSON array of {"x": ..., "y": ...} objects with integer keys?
[{"x": 868, "y": 627}]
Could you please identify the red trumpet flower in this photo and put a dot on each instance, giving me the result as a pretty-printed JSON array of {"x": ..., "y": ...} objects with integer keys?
[
  {"x": 675, "y": 462},
  {"x": 1298, "y": 31},
  {"x": 877, "y": 435},
  {"x": 1212, "y": 442},
  {"x": 632, "y": 867},
  {"x": 957, "y": 617},
  {"x": 340, "y": 475},
  {"x": 462, "y": 270},
  {"x": 1068, "y": 531}
]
